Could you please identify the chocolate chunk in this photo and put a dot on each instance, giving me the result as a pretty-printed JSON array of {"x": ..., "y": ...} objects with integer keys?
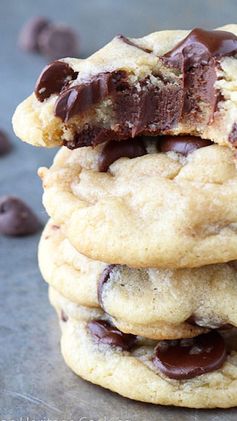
[
  {"x": 188, "y": 358},
  {"x": 114, "y": 150},
  {"x": 53, "y": 79},
  {"x": 80, "y": 98},
  {"x": 107, "y": 334},
  {"x": 57, "y": 41},
  {"x": 16, "y": 218},
  {"x": 129, "y": 42},
  {"x": 5, "y": 145},
  {"x": 233, "y": 135},
  {"x": 149, "y": 111},
  {"x": 64, "y": 316},
  {"x": 204, "y": 44},
  {"x": 196, "y": 56},
  {"x": 103, "y": 279},
  {"x": 29, "y": 35},
  {"x": 182, "y": 144}
]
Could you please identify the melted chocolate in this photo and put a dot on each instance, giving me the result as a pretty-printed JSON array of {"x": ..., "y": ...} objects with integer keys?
[
  {"x": 196, "y": 56},
  {"x": 53, "y": 79},
  {"x": 129, "y": 42},
  {"x": 182, "y": 144},
  {"x": 152, "y": 109},
  {"x": 107, "y": 334},
  {"x": 188, "y": 358},
  {"x": 200, "y": 45},
  {"x": 80, "y": 98},
  {"x": 131, "y": 148},
  {"x": 103, "y": 279}
]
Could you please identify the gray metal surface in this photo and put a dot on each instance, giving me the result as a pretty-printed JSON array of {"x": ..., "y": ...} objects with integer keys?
[{"x": 35, "y": 384}]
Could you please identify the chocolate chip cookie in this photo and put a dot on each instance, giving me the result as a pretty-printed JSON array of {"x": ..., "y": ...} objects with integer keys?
[{"x": 161, "y": 209}]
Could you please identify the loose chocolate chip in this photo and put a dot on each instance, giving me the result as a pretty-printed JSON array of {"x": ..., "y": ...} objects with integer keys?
[
  {"x": 103, "y": 279},
  {"x": 53, "y": 79},
  {"x": 16, "y": 218},
  {"x": 107, "y": 334},
  {"x": 188, "y": 358},
  {"x": 5, "y": 145},
  {"x": 80, "y": 98},
  {"x": 57, "y": 41},
  {"x": 131, "y": 148},
  {"x": 28, "y": 38},
  {"x": 217, "y": 43},
  {"x": 182, "y": 144},
  {"x": 64, "y": 316}
]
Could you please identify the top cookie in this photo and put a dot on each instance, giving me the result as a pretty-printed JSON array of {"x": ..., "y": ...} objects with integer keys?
[{"x": 169, "y": 82}]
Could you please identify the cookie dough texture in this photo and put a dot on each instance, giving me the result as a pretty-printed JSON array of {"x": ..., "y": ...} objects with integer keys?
[
  {"x": 133, "y": 375},
  {"x": 158, "y": 210},
  {"x": 35, "y": 122},
  {"x": 154, "y": 303}
]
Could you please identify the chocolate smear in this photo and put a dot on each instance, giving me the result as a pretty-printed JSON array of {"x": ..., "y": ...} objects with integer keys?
[
  {"x": 188, "y": 358},
  {"x": 107, "y": 334},
  {"x": 53, "y": 79},
  {"x": 129, "y": 42}
]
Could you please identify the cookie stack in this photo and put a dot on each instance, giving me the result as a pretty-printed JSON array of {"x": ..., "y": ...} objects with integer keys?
[{"x": 141, "y": 246}]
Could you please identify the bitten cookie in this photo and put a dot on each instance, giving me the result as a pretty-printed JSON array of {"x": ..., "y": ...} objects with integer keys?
[
  {"x": 169, "y": 82},
  {"x": 162, "y": 209}
]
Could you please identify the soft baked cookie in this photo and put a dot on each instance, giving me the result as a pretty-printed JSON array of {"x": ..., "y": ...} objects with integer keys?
[
  {"x": 158, "y": 330},
  {"x": 196, "y": 373},
  {"x": 156, "y": 210},
  {"x": 167, "y": 82},
  {"x": 157, "y": 303}
]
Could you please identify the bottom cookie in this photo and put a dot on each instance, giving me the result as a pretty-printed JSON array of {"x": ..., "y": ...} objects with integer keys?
[{"x": 135, "y": 368}]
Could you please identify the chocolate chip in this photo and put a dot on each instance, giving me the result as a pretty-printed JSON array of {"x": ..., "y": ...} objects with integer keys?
[
  {"x": 216, "y": 43},
  {"x": 16, "y": 218},
  {"x": 64, "y": 316},
  {"x": 57, "y": 41},
  {"x": 53, "y": 79},
  {"x": 107, "y": 334},
  {"x": 233, "y": 135},
  {"x": 188, "y": 358},
  {"x": 131, "y": 148},
  {"x": 5, "y": 145},
  {"x": 28, "y": 37},
  {"x": 182, "y": 144},
  {"x": 103, "y": 279},
  {"x": 80, "y": 98}
]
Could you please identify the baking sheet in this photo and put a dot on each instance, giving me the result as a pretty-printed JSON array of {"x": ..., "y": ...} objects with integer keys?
[{"x": 35, "y": 384}]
